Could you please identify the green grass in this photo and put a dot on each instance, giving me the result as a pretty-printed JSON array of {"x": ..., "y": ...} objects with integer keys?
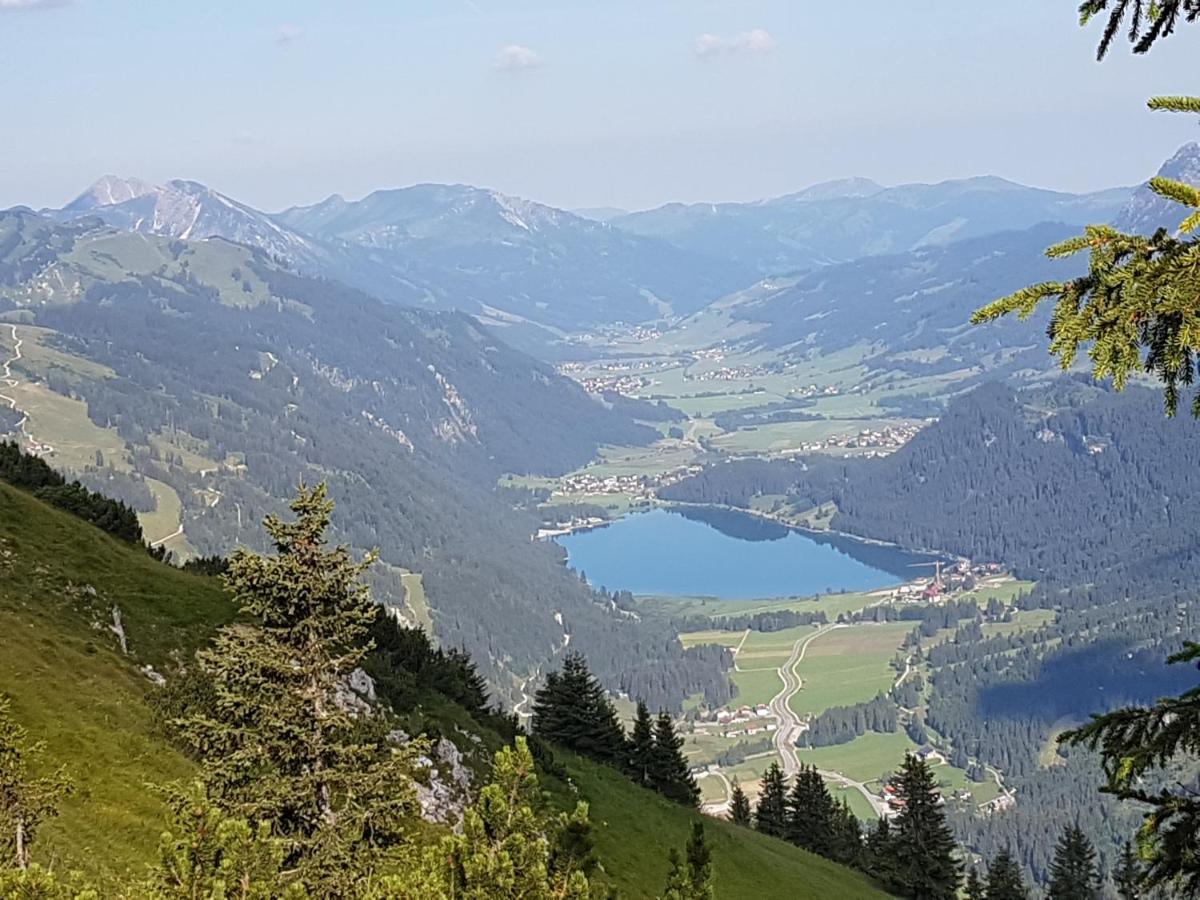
[
  {"x": 864, "y": 759},
  {"x": 756, "y": 686},
  {"x": 848, "y": 665},
  {"x": 71, "y": 688},
  {"x": 633, "y": 829}
]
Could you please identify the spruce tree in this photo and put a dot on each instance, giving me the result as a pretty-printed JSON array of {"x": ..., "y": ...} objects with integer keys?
[
  {"x": 810, "y": 813},
  {"x": 1004, "y": 881},
  {"x": 923, "y": 846},
  {"x": 974, "y": 888},
  {"x": 739, "y": 806},
  {"x": 1074, "y": 874},
  {"x": 641, "y": 747},
  {"x": 670, "y": 774},
  {"x": 572, "y": 709},
  {"x": 691, "y": 878},
  {"x": 1127, "y": 876},
  {"x": 26, "y": 801},
  {"x": 279, "y": 745},
  {"x": 770, "y": 816},
  {"x": 846, "y": 834},
  {"x": 879, "y": 854}
]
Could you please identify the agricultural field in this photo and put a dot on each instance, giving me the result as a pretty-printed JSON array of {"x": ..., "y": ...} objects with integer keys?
[{"x": 847, "y": 666}]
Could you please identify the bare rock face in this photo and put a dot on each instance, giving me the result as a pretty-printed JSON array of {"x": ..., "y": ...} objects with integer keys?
[
  {"x": 445, "y": 798},
  {"x": 357, "y": 695}
]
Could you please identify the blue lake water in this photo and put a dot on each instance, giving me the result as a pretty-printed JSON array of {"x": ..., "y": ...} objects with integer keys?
[{"x": 699, "y": 552}]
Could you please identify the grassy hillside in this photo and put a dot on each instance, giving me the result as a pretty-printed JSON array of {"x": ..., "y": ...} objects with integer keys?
[
  {"x": 72, "y": 687},
  {"x": 634, "y": 829}
]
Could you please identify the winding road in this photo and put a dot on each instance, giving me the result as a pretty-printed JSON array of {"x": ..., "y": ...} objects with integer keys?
[
  {"x": 790, "y": 727},
  {"x": 11, "y": 382}
]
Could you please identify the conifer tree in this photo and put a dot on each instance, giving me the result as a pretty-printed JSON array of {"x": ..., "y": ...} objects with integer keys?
[
  {"x": 810, "y": 813},
  {"x": 572, "y": 709},
  {"x": 670, "y": 774},
  {"x": 1127, "y": 876},
  {"x": 510, "y": 846},
  {"x": 770, "y": 816},
  {"x": 208, "y": 854},
  {"x": 691, "y": 878},
  {"x": 879, "y": 854},
  {"x": 739, "y": 806},
  {"x": 641, "y": 747},
  {"x": 974, "y": 888},
  {"x": 1004, "y": 881},
  {"x": 923, "y": 846},
  {"x": 847, "y": 838},
  {"x": 1149, "y": 20},
  {"x": 279, "y": 747},
  {"x": 26, "y": 801},
  {"x": 1074, "y": 874}
]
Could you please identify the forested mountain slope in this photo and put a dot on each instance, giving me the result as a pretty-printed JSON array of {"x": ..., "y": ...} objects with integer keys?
[
  {"x": 1090, "y": 493},
  {"x": 72, "y": 687},
  {"x": 224, "y": 380}
]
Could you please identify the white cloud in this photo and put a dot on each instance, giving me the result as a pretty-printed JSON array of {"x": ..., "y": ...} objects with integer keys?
[
  {"x": 515, "y": 58},
  {"x": 756, "y": 42},
  {"x": 285, "y": 34},
  {"x": 30, "y": 5}
]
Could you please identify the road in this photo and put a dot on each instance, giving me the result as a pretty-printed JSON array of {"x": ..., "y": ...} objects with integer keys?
[
  {"x": 525, "y": 695},
  {"x": 174, "y": 534},
  {"x": 841, "y": 779},
  {"x": 13, "y": 382},
  {"x": 790, "y": 727}
]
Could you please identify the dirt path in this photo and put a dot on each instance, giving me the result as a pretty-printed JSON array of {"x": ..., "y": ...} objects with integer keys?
[{"x": 526, "y": 697}]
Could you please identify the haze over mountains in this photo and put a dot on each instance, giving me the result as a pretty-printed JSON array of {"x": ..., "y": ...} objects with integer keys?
[{"x": 537, "y": 272}]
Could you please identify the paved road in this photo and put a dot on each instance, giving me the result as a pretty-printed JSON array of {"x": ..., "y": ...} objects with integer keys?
[{"x": 790, "y": 726}]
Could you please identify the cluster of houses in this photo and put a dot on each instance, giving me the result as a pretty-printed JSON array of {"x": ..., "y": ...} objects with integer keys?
[
  {"x": 961, "y": 576},
  {"x": 876, "y": 441},
  {"x": 634, "y": 485},
  {"x": 745, "y": 720}
]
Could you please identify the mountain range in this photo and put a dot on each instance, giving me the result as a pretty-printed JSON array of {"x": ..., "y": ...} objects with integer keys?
[{"x": 534, "y": 273}]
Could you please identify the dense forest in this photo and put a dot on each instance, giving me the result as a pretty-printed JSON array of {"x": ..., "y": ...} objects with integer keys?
[{"x": 410, "y": 416}]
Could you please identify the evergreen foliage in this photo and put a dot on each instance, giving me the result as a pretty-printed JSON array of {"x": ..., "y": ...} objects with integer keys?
[
  {"x": 208, "y": 855},
  {"x": 1127, "y": 876},
  {"x": 641, "y": 747},
  {"x": 279, "y": 746},
  {"x": 692, "y": 877},
  {"x": 511, "y": 847},
  {"x": 1004, "y": 880},
  {"x": 973, "y": 887},
  {"x": 1137, "y": 306},
  {"x": 810, "y": 813},
  {"x": 1135, "y": 742},
  {"x": 771, "y": 813},
  {"x": 739, "y": 806},
  {"x": 33, "y": 474},
  {"x": 670, "y": 774},
  {"x": 923, "y": 847},
  {"x": 1149, "y": 20},
  {"x": 1074, "y": 874},
  {"x": 572, "y": 709},
  {"x": 878, "y": 854}
]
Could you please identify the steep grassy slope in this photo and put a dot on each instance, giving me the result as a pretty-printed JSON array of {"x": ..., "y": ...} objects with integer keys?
[
  {"x": 634, "y": 828},
  {"x": 72, "y": 687}
]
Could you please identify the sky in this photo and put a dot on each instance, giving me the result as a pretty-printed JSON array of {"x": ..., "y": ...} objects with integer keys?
[{"x": 575, "y": 103}]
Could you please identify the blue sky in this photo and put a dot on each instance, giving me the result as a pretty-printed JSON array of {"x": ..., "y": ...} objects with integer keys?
[{"x": 628, "y": 103}]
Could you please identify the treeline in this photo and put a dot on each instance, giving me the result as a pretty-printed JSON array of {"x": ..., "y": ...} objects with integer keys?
[
  {"x": 913, "y": 855},
  {"x": 772, "y": 620},
  {"x": 842, "y": 724},
  {"x": 573, "y": 711},
  {"x": 33, "y": 474}
]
